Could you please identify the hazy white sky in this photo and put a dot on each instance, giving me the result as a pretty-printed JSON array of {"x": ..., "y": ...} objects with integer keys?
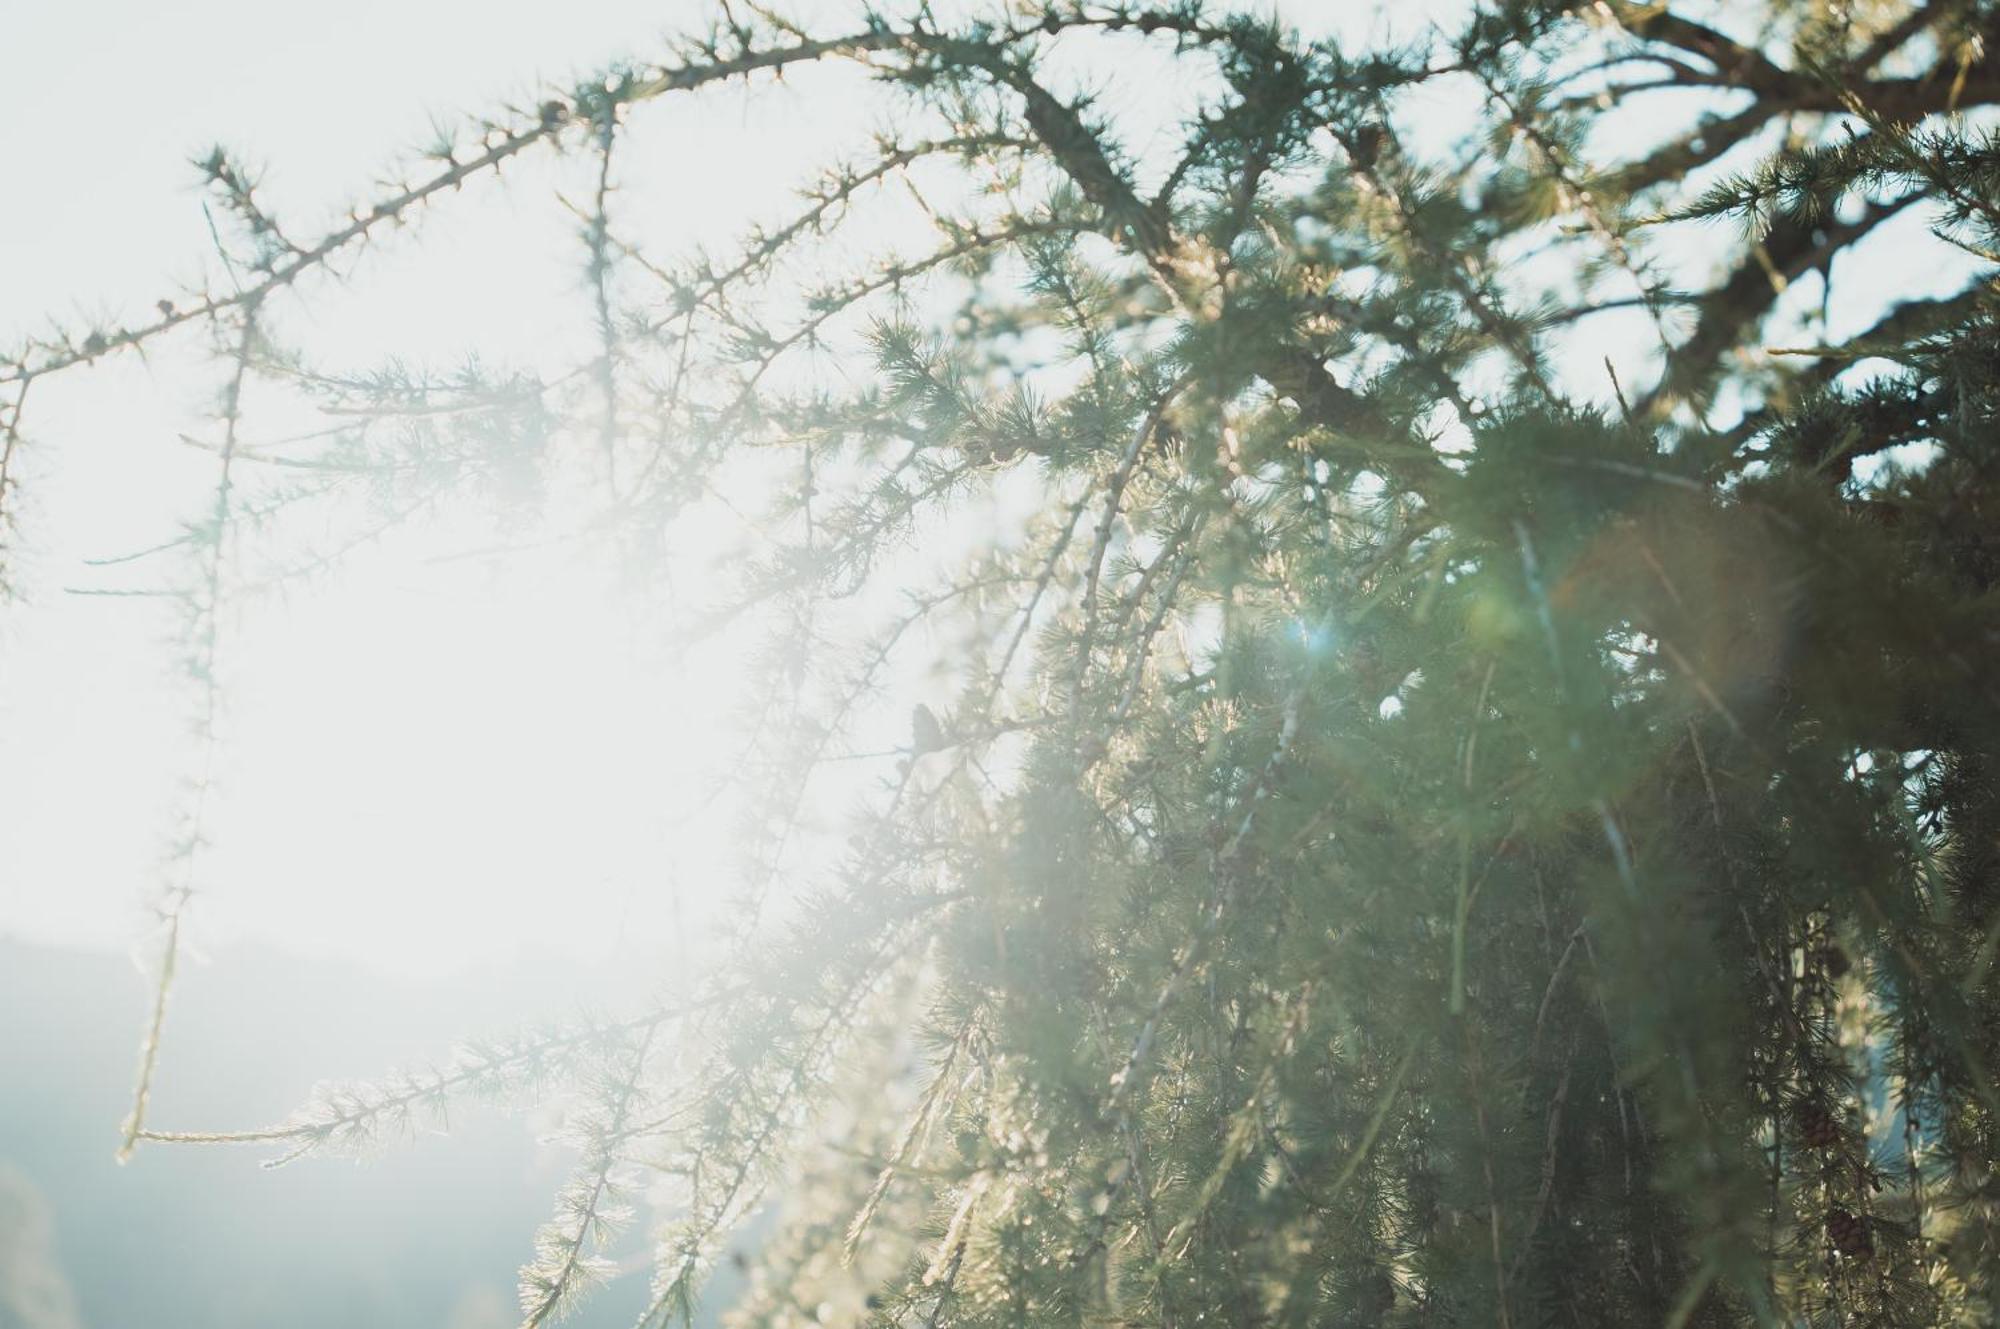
[{"x": 427, "y": 764}]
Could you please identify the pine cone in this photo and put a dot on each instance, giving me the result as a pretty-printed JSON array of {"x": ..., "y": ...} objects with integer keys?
[
  {"x": 1849, "y": 1235},
  {"x": 1366, "y": 147},
  {"x": 1817, "y": 1128},
  {"x": 1375, "y": 1294}
]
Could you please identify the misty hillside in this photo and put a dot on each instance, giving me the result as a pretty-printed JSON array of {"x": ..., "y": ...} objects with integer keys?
[{"x": 191, "y": 1237}]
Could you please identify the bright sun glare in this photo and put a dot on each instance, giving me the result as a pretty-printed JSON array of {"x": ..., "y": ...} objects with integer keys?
[
  {"x": 431, "y": 760},
  {"x": 435, "y": 756}
]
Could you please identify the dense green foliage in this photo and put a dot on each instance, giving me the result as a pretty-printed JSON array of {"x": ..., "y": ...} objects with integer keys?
[{"x": 1432, "y": 832}]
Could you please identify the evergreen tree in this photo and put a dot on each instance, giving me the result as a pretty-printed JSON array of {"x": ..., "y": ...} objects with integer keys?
[{"x": 1428, "y": 832}]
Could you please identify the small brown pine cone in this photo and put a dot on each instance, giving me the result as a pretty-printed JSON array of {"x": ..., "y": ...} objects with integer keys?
[
  {"x": 1366, "y": 147},
  {"x": 1817, "y": 1128},
  {"x": 1849, "y": 1235}
]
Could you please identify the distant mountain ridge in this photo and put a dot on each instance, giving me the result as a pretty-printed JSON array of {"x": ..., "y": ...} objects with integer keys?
[
  {"x": 429, "y": 1236},
  {"x": 34, "y": 1291}
]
